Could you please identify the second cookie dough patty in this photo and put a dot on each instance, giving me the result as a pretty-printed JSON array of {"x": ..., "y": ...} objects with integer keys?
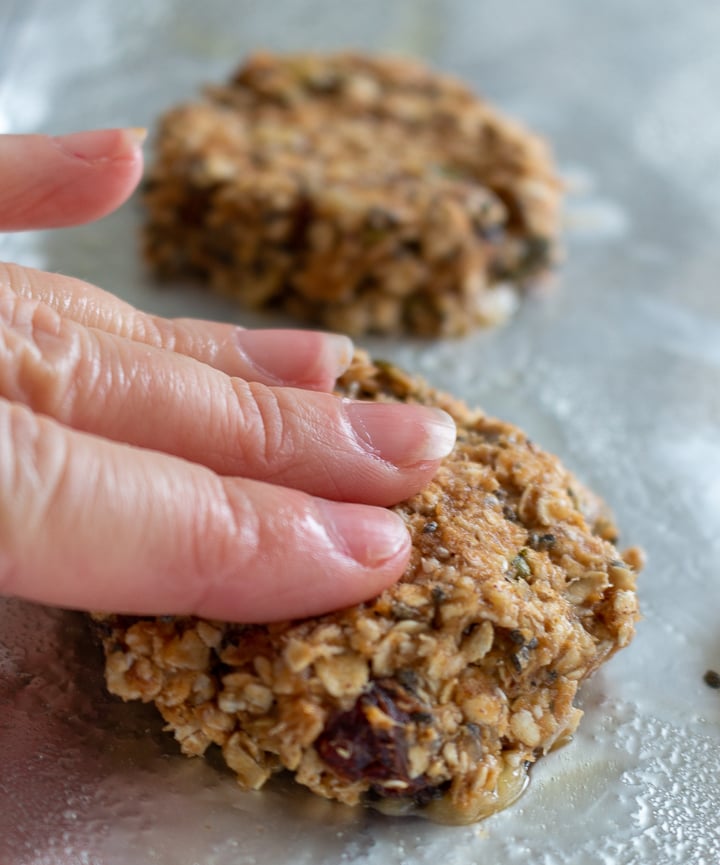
[
  {"x": 364, "y": 194},
  {"x": 439, "y": 693}
]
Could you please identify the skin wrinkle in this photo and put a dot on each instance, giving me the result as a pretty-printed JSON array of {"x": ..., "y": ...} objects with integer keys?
[
  {"x": 144, "y": 504},
  {"x": 258, "y": 576},
  {"x": 38, "y": 478},
  {"x": 70, "y": 297},
  {"x": 119, "y": 372},
  {"x": 272, "y": 562},
  {"x": 279, "y": 450},
  {"x": 79, "y": 307},
  {"x": 18, "y": 313},
  {"x": 244, "y": 551},
  {"x": 280, "y": 417},
  {"x": 85, "y": 309},
  {"x": 365, "y": 471},
  {"x": 102, "y": 383},
  {"x": 334, "y": 491},
  {"x": 65, "y": 355},
  {"x": 175, "y": 335},
  {"x": 10, "y": 467},
  {"x": 358, "y": 430},
  {"x": 39, "y": 350},
  {"x": 211, "y": 349},
  {"x": 193, "y": 342},
  {"x": 253, "y": 426},
  {"x": 144, "y": 328},
  {"x": 206, "y": 576},
  {"x": 361, "y": 436},
  {"x": 21, "y": 367},
  {"x": 14, "y": 280},
  {"x": 67, "y": 486}
]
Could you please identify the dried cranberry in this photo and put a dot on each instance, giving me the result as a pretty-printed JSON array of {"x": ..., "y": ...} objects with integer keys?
[{"x": 360, "y": 746}]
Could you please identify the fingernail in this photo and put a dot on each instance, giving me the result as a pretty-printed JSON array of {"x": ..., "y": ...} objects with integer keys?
[
  {"x": 340, "y": 351},
  {"x": 402, "y": 434},
  {"x": 101, "y": 145},
  {"x": 292, "y": 357},
  {"x": 369, "y": 535}
]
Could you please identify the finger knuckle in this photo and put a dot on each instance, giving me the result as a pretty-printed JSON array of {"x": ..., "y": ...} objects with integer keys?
[
  {"x": 43, "y": 361},
  {"x": 267, "y": 435},
  {"x": 153, "y": 330},
  {"x": 14, "y": 281},
  {"x": 224, "y": 545},
  {"x": 33, "y": 467}
]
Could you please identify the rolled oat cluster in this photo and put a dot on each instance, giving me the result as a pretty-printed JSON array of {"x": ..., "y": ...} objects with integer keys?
[
  {"x": 363, "y": 194},
  {"x": 437, "y": 695}
]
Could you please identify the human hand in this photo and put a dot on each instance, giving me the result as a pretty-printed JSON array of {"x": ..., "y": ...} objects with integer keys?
[{"x": 159, "y": 466}]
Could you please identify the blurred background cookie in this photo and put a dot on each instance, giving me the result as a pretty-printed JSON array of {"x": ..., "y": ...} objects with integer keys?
[{"x": 362, "y": 193}]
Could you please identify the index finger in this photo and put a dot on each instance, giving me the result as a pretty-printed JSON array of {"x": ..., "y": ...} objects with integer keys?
[{"x": 54, "y": 182}]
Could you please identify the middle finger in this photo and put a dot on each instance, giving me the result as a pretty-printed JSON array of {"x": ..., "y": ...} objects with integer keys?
[{"x": 115, "y": 387}]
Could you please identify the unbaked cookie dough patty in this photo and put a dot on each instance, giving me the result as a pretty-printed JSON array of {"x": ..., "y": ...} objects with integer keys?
[
  {"x": 357, "y": 192},
  {"x": 436, "y": 696}
]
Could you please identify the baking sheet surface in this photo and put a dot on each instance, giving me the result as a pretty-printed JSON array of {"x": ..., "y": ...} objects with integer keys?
[{"x": 616, "y": 367}]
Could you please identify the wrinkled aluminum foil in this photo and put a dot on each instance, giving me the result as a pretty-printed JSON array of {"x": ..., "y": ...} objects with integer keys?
[{"x": 616, "y": 367}]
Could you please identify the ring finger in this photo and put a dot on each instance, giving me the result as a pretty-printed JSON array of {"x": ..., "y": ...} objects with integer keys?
[{"x": 293, "y": 358}]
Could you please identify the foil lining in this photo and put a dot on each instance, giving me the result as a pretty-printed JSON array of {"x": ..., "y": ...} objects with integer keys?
[{"x": 615, "y": 367}]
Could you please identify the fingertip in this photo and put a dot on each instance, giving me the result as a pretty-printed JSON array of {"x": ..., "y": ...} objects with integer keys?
[
  {"x": 311, "y": 556},
  {"x": 407, "y": 436},
  {"x": 55, "y": 182},
  {"x": 375, "y": 538},
  {"x": 102, "y": 145},
  {"x": 310, "y": 360},
  {"x": 340, "y": 348}
]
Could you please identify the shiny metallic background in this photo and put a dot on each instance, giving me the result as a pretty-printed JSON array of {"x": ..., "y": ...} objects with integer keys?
[{"x": 616, "y": 368}]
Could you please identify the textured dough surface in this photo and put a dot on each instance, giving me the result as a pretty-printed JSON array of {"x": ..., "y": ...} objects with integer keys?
[
  {"x": 439, "y": 693},
  {"x": 362, "y": 193}
]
